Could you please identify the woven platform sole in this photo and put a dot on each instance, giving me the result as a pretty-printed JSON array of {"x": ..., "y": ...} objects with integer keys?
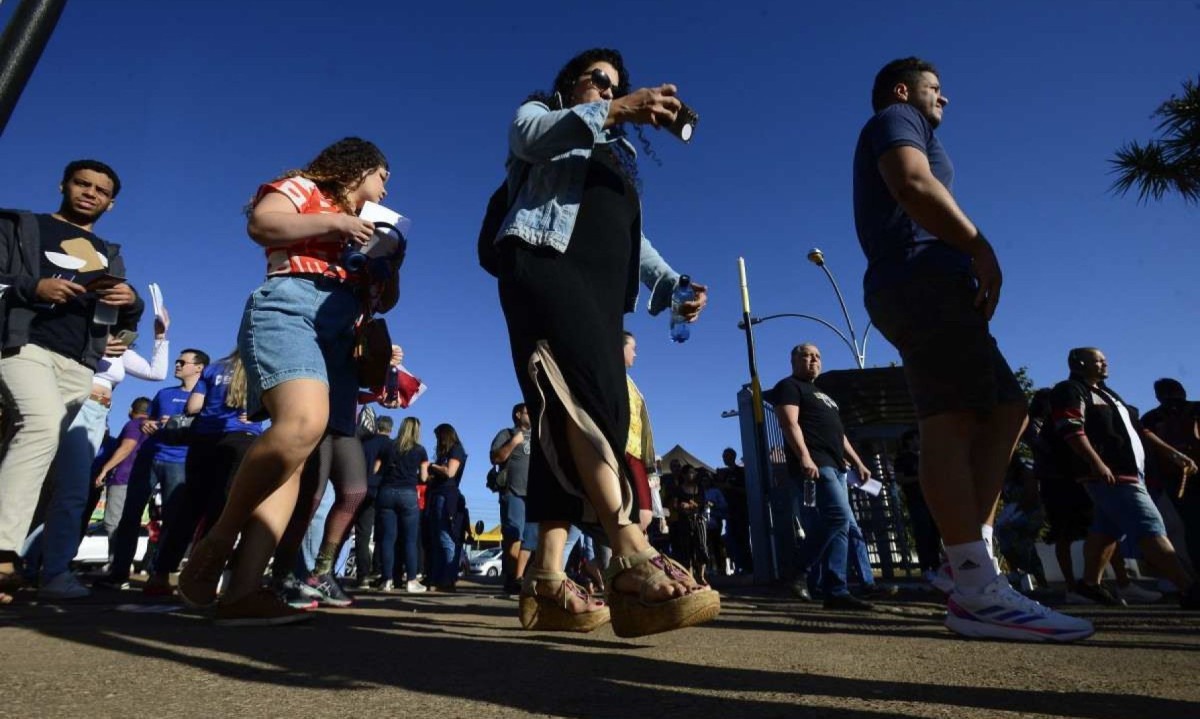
[
  {"x": 544, "y": 614},
  {"x": 632, "y": 618}
]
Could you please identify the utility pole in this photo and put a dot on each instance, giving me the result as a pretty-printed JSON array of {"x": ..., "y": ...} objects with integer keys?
[{"x": 21, "y": 47}]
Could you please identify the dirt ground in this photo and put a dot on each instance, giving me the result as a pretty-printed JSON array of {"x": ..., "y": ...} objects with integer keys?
[{"x": 464, "y": 655}]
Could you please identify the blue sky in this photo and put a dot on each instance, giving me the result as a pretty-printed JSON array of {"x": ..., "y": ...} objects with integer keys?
[{"x": 196, "y": 103}]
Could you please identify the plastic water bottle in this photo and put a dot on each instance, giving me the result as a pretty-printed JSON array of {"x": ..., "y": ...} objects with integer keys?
[
  {"x": 680, "y": 331},
  {"x": 105, "y": 314},
  {"x": 810, "y": 493}
]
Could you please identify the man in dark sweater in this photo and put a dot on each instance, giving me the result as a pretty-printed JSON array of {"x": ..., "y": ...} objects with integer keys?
[{"x": 59, "y": 287}]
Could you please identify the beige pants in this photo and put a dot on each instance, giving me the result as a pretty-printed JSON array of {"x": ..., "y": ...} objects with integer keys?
[{"x": 41, "y": 392}]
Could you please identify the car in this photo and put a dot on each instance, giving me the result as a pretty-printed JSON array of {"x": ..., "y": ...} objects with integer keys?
[
  {"x": 94, "y": 547},
  {"x": 488, "y": 562}
]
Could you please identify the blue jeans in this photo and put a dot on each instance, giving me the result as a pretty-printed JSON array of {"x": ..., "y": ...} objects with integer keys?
[
  {"x": 146, "y": 475},
  {"x": 512, "y": 517},
  {"x": 72, "y": 480},
  {"x": 442, "y": 571},
  {"x": 398, "y": 516},
  {"x": 830, "y": 550},
  {"x": 529, "y": 541}
]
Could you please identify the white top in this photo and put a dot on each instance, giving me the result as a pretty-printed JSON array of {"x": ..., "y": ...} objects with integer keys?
[{"x": 111, "y": 370}]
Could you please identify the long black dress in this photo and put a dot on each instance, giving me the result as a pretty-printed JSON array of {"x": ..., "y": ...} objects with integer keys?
[{"x": 565, "y": 315}]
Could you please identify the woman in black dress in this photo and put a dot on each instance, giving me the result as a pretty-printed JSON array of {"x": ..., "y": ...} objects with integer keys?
[{"x": 571, "y": 255}]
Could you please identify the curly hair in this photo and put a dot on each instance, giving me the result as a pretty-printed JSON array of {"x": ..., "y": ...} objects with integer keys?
[
  {"x": 563, "y": 89},
  {"x": 340, "y": 168}
]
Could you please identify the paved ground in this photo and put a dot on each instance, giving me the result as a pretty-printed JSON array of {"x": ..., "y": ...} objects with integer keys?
[{"x": 464, "y": 655}]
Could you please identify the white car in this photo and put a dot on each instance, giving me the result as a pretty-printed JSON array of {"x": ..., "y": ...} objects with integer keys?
[
  {"x": 488, "y": 562},
  {"x": 94, "y": 547}
]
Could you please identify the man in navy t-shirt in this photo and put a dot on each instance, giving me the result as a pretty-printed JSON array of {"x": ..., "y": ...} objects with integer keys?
[
  {"x": 160, "y": 462},
  {"x": 932, "y": 285}
]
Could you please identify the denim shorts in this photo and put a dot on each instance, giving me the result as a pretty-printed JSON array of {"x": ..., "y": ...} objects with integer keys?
[
  {"x": 951, "y": 360},
  {"x": 301, "y": 327},
  {"x": 512, "y": 518},
  {"x": 1124, "y": 509}
]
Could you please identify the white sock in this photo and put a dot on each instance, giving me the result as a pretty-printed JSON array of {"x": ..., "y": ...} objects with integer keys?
[
  {"x": 972, "y": 566},
  {"x": 986, "y": 530}
]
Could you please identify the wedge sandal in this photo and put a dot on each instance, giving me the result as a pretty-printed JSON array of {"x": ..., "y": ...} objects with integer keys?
[
  {"x": 540, "y": 612},
  {"x": 635, "y": 616}
]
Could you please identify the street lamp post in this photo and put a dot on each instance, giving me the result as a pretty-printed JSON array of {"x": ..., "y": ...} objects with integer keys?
[{"x": 859, "y": 351}]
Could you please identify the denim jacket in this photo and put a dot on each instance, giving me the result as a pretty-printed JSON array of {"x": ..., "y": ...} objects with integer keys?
[{"x": 556, "y": 147}]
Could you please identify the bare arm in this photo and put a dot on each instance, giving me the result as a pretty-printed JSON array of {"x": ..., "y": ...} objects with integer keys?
[
  {"x": 501, "y": 454},
  {"x": 275, "y": 222},
  {"x": 789, "y": 422},
  {"x": 1080, "y": 445},
  {"x": 1169, "y": 453},
  {"x": 859, "y": 466},
  {"x": 123, "y": 450},
  {"x": 423, "y": 477},
  {"x": 905, "y": 171},
  {"x": 195, "y": 403},
  {"x": 448, "y": 470}
]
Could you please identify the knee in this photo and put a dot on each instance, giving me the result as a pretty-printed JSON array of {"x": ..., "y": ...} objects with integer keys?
[{"x": 296, "y": 436}]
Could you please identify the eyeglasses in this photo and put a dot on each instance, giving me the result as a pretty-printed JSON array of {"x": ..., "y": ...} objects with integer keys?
[
  {"x": 180, "y": 363},
  {"x": 599, "y": 78}
]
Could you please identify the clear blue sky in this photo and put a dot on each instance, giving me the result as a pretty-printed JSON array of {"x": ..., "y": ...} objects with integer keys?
[{"x": 196, "y": 103}]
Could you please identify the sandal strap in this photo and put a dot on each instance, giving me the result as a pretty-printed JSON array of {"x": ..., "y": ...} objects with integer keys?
[
  {"x": 619, "y": 564},
  {"x": 566, "y": 588}
]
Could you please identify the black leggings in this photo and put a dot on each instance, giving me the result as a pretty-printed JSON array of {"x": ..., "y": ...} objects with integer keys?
[
  {"x": 212, "y": 461},
  {"x": 338, "y": 459}
]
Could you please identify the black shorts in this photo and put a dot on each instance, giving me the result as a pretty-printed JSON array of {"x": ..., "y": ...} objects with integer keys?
[{"x": 951, "y": 360}]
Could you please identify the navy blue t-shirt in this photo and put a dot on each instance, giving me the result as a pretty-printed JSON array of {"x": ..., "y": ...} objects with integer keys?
[
  {"x": 216, "y": 417},
  {"x": 897, "y": 248},
  {"x": 402, "y": 469},
  {"x": 448, "y": 486},
  {"x": 375, "y": 448}
]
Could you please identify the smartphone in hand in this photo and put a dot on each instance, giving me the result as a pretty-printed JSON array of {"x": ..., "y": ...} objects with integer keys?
[{"x": 104, "y": 282}]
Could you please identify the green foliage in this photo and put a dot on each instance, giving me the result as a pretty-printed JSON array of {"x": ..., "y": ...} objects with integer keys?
[
  {"x": 1026, "y": 382},
  {"x": 1171, "y": 163}
]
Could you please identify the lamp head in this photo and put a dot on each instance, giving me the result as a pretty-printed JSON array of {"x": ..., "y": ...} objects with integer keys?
[{"x": 816, "y": 257}]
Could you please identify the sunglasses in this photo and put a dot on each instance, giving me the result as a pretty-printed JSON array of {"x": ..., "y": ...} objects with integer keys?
[
  {"x": 180, "y": 363},
  {"x": 599, "y": 79}
]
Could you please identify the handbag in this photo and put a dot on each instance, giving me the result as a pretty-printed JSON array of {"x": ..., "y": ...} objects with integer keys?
[
  {"x": 372, "y": 352},
  {"x": 176, "y": 430}
]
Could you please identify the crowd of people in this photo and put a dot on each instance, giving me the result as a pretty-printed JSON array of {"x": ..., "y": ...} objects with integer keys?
[{"x": 265, "y": 463}]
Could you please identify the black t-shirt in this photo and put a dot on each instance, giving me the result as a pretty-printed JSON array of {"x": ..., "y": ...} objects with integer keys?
[
  {"x": 443, "y": 485},
  {"x": 74, "y": 254},
  {"x": 374, "y": 448},
  {"x": 402, "y": 469},
  {"x": 819, "y": 422}
]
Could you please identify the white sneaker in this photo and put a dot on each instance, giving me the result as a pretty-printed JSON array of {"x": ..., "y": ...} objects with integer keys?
[
  {"x": 415, "y": 587},
  {"x": 387, "y": 586},
  {"x": 63, "y": 586},
  {"x": 1133, "y": 594},
  {"x": 1001, "y": 612},
  {"x": 1075, "y": 598}
]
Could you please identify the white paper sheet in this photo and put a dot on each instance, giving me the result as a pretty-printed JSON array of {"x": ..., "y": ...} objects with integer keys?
[
  {"x": 872, "y": 486},
  {"x": 156, "y": 300},
  {"x": 384, "y": 241}
]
